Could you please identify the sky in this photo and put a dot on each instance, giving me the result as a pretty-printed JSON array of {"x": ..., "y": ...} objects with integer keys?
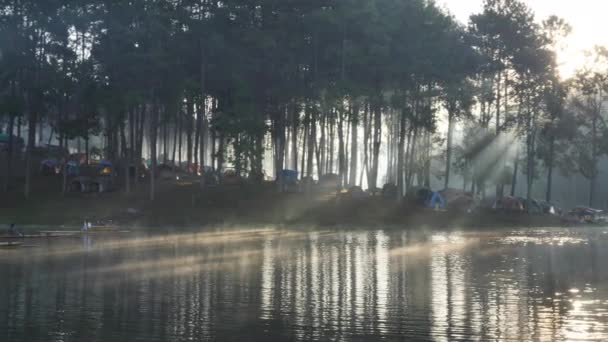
[{"x": 588, "y": 19}]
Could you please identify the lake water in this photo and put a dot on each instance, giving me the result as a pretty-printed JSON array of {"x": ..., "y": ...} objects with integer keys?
[{"x": 278, "y": 285}]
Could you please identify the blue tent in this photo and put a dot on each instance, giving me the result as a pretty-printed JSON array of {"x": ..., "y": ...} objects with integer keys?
[
  {"x": 72, "y": 168},
  {"x": 288, "y": 176},
  {"x": 105, "y": 168},
  {"x": 435, "y": 201},
  {"x": 288, "y": 180}
]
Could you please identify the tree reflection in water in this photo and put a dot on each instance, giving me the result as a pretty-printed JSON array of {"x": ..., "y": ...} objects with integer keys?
[{"x": 310, "y": 285}]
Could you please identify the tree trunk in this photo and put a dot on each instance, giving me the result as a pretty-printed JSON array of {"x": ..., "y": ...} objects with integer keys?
[
  {"x": 550, "y": 169},
  {"x": 202, "y": 135},
  {"x": 409, "y": 179},
  {"x": 180, "y": 135},
  {"x": 427, "y": 160},
  {"x": 448, "y": 159},
  {"x": 279, "y": 142},
  {"x": 202, "y": 109},
  {"x": 322, "y": 162},
  {"x": 31, "y": 142},
  {"x": 197, "y": 135},
  {"x": 165, "y": 139},
  {"x": 401, "y": 155},
  {"x": 153, "y": 135},
  {"x": 310, "y": 129},
  {"x": 189, "y": 131},
  {"x": 220, "y": 153},
  {"x": 213, "y": 148},
  {"x": 9, "y": 156},
  {"x": 139, "y": 140},
  {"x": 130, "y": 160},
  {"x": 19, "y": 127},
  {"x": 515, "y": 170},
  {"x": 366, "y": 136},
  {"x": 304, "y": 144},
  {"x": 123, "y": 141},
  {"x": 499, "y": 185},
  {"x": 377, "y": 140},
  {"x": 592, "y": 179},
  {"x": 341, "y": 152},
  {"x": 175, "y": 134},
  {"x": 332, "y": 142},
  {"x": 354, "y": 149},
  {"x": 294, "y": 138}
]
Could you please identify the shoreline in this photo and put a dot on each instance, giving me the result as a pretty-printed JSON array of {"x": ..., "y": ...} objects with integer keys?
[{"x": 184, "y": 207}]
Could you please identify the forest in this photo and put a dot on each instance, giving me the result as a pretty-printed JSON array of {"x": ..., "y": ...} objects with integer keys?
[{"x": 375, "y": 91}]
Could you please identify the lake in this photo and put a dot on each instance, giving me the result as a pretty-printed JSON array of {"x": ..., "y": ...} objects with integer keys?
[{"x": 325, "y": 285}]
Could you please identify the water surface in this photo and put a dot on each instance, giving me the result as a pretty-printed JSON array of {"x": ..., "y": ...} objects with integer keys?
[{"x": 277, "y": 285}]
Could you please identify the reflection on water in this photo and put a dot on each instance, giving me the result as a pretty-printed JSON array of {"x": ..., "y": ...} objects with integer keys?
[{"x": 540, "y": 285}]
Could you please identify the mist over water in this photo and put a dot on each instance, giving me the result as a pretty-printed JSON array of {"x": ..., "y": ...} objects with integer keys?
[{"x": 276, "y": 285}]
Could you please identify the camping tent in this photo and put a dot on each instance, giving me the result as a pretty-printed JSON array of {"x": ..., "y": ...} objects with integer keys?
[
  {"x": 73, "y": 168},
  {"x": 458, "y": 199},
  {"x": 49, "y": 167},
  {"x": 288, "y": 180},
  {"x": 105, "y": 168},
  {"x": 435, "y": 201}
]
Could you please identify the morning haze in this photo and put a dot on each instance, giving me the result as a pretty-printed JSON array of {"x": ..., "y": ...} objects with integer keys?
[{"x": 265, "y": 170}]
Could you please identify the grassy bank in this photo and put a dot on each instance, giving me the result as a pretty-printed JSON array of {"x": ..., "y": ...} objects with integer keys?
[{"x": 183, "y": 204}]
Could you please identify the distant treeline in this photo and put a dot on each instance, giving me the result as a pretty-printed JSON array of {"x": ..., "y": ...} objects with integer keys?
[{"x": 358, "y": 88}]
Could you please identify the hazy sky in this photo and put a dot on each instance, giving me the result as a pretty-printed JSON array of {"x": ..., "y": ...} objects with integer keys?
[{"x": 588, "y": 18}]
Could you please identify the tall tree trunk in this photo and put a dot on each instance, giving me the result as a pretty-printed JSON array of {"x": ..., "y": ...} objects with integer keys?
[
  {"x": 366, "y": 136},
  {"x": 499, "y": 185},
  {"x": 515, "y": 170},
  {"x": 197, "y": 138},
  {"x": 41, "y": 131},
  {"x": 427, "y": 160},
  {"x": 19, "y": 127},
  {"x": 332, "y": 142},
  {"x": 9, "y": 156},
  {"x": 304, "y": 144},
  {"x": 354, "y": 149},
  {"x": 409, "y": 179},
  {"x": 175, "y": 134},
  {"x": 322, "y": 162},
  {"x": 279, "y": 142},
  {"x": 180, "y": 135},
  {"x": 220, "y": 152},
  {"x": 310, "y": 129},
  {"x": 31, "y": 143},
  {"x": 123, "y": 140},
  {"x": 294, "y": 137},
  {"x": 401, "y": 155},
  {"x": 189, "y": 131},
  {"x": 592, "y": 179},
  {"x": 448, "y": 159},
  {"x": 202, "y": 135},
  {"x": 165, "y": 139},
  {"x": 130, "y": 158},
  {"x": 341, "y": 152},
  {"x": 153, "y": 156},
  {"x": 139, "y": 140},
  {"x": 213, "y": 149},
  {"x": 203, "y": 107},
  {"x": 530, "y": 150},
  {"x": 550, "y": 169},
  {"x": 377, "y": 139}
]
